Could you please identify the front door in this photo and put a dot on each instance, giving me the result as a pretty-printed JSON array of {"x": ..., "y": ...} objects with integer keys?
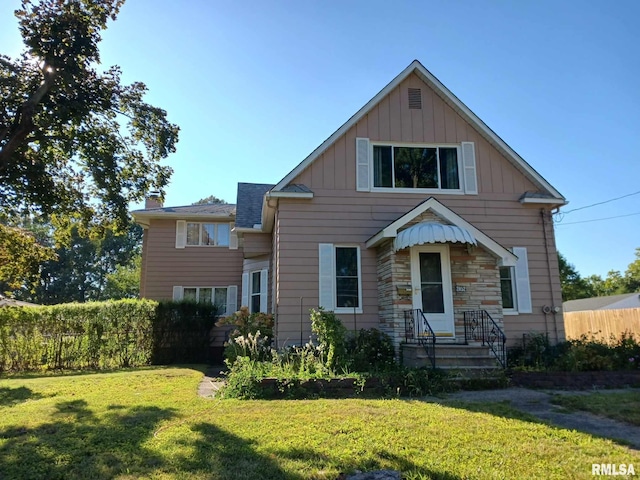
[{"x": 431, "y": 282}]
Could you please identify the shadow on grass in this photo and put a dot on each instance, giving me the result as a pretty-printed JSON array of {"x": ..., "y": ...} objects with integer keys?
[
  {"x": 78, "y": 444},
  {"x": 12, "y": 396},
  {"x": 378, "y": 460},
  {"x": 555, "y": 420}
]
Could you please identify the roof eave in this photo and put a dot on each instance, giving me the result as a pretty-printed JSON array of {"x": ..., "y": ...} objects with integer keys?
[
  {"x": 303, "y": 195},
  {"x": 558, "y": 202}
]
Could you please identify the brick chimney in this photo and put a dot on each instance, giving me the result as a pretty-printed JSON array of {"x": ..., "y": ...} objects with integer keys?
[{"x": 153, "y": 200}]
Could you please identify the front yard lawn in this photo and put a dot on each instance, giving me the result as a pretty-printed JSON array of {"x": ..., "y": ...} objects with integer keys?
[
  {"x": 621, "y": 406},
  {"x": 150, "y": 423}
]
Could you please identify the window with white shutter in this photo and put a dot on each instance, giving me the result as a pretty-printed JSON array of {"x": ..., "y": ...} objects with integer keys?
[
  {"x": 469, "y": 168},
  {"x": 340, "y": 282},
  {"x": 523, "y": 289},
  {"x": 362, "y": 165}
]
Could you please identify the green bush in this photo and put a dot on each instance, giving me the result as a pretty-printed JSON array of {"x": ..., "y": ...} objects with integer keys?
[
  {"x": 182, "y": 332},
  {"x": 243, "y": 379},
  {"x": 251, "y": 336},
  {"x": 580, "y": 355},
  {"x": 331, "y": 336},
  {"x": 93, "y": 335},
  {"x": 99, "y": 335},
  {"x": 370, "y": 350}
]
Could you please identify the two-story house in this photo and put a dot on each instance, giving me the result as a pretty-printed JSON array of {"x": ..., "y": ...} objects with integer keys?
[{"x": 413, "y": 217}]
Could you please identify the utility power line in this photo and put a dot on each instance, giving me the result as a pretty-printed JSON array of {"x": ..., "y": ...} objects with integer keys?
[
  {"x": 597, "y": 219},
  {"x": 602, "y": 203}
]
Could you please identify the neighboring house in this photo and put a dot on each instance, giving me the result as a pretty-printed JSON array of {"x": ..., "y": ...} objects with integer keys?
[
  {"x": 612, "y": 302},
  {"x": 412, "y": 210}
]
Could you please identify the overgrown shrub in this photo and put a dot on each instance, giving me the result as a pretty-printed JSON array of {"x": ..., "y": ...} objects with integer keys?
[
  {"x": 182, "y": 332},
  {"x": 251, "y": 335},
  {"x": 331, "y": 336},
  {"x": 370, "y": 350},
  {"x": 580, "y": 355},
  {"x": 97, "y": 335},
  {"x": 93, "y": 335}
]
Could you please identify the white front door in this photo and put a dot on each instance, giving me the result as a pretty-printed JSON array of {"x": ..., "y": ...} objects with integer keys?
[{"x": 432, "y": 291}]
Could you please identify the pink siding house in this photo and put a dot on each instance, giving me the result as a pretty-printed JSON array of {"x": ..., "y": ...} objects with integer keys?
[{"x": 414, "y": 217}]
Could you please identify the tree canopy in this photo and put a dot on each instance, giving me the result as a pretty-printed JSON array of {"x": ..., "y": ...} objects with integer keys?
[
  {"x": 574, "y": 286},
  {"x": 209, "y": 200},
  {"x": 74, "y": 139}
]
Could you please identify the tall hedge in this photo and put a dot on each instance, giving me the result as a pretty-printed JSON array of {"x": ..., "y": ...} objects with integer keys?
[{"x": 98, "y": 335}]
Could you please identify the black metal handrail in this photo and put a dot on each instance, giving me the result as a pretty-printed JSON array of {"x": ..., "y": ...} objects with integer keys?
[
  {"x": 418, "y": 330},
  {"x": 480, "y": 327}
]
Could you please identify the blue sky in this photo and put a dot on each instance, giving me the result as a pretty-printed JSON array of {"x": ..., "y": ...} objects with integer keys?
[{"x": 255, "y": 86}]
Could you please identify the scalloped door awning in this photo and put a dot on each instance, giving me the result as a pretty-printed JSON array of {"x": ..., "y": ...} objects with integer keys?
[{"x": 432, "y": 232}]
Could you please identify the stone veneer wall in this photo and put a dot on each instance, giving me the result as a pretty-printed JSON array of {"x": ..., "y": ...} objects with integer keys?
[{"x": 472, "y": 269}]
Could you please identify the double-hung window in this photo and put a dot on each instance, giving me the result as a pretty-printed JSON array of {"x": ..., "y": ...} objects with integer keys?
[
  {"x": 508, "y": 287},
  {"x": 340, "y": 282},
  {"x": 211, "y": 234},
  {"x": 254, "y": 290},
  {"x": 514, "y": 285},
  {"x": 425, "y": 167},
  {"x": 223, "y": 297}
]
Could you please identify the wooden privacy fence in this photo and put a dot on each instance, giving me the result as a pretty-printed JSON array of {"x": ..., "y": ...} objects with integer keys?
[{"x": 603, "y": 324}]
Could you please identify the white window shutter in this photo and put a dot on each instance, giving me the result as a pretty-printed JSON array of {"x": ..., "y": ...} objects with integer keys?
[
  {"x": 245, "y": 289},
  {"x": 181, "y": 233},
  {"x": 177, "y": 293},
  {"x": 362, "y": 165},
  {"x": 232, "y": 299},
  {"x": 523, "y": 289},
  {"x": 233, "y": 238},
  {"x": 263, "y": 289},
  {"x": 469, "y": 168},
  {"x": 326, "y": 276}
]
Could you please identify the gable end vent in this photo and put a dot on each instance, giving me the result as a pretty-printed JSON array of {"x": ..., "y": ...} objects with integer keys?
[{"x": 415, "y": 98}]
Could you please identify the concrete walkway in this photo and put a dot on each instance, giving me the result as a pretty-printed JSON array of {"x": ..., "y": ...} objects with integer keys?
[
  {"x": 538, "y": 403},
  {"x": 211, "y": 382}
]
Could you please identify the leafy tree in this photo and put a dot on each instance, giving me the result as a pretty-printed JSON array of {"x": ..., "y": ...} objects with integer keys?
[
  {"x": 20, "y": 258},
  {"x": 81, "y": 270},
  {"x": 632, "y": 275},
  {"x": 73, "y": 139},
  {"x": 124, "y": 282},
  {"x": 573, "y": 285},
  {"x": 210, "y": 199}
]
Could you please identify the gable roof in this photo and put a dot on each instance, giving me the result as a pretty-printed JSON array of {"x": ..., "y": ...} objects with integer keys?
[
  {"x": 453, "y": 101},
  {"x": 250, "y": 197},
  {"x": 507, "y": 258},
  {"x": 612, "y": 302}
]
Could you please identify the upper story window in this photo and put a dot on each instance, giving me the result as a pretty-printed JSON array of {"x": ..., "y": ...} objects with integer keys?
[
  {"x": 416, "y": 168},
  {"x": 215, "y": 234},
  {"x": 429, "y": 167}
]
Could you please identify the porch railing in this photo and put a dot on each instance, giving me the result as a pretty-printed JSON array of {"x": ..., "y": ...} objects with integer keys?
[
  {"x": 480, "y": 327},
  {"x": 418, "y": 330}
]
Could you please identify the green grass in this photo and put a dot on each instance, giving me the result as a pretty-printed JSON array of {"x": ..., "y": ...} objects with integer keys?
[
  {"x": 622, "y": 406},
  {"x": 151, "y": 424}
]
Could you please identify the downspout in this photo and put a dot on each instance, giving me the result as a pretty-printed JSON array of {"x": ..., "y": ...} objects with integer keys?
[
  {"x": 275, "y": 289},
  {"x": 546, "y": 250}
]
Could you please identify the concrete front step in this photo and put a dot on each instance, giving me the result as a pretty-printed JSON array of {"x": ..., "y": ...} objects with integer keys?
[{"x": 450, "y": 356}]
